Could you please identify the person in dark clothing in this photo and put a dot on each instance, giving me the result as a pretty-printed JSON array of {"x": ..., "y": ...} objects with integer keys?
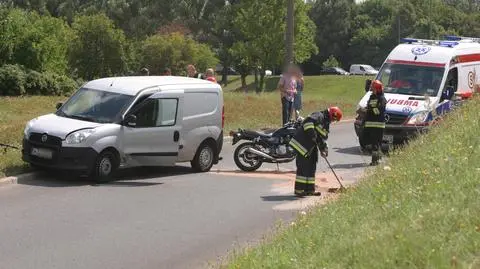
[
  {"x": 192, "y": 72},
  {"x": 167, "y": 72},
  {"x": 310, "y": 138},
  {"x": 375, "y": 120},
  {"x": 144, "y": 72}
]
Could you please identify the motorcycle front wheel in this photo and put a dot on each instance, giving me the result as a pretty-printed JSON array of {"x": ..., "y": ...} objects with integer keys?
[{"x": 247, "y": 162}]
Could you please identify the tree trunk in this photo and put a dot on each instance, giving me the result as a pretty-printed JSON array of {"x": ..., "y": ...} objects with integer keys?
[
  {"x": 262, "y": 80},
  {"x": 225, "y": 76},
  {"x": 257, "y": 86},
  {"x": 243, "y": 77}
]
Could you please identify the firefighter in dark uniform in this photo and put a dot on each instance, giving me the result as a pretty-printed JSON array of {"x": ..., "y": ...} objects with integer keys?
[
  {"x": 311, "y": 136},
  {"x": 375, "y": 120}
]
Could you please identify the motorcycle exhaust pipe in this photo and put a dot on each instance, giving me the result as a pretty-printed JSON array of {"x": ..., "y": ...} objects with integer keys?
[{"x": 259, "y": 153}]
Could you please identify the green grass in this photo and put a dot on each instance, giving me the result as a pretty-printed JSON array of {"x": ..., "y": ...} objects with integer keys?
[
  {"x": 241, "y": 110},
  {"x": 423, "y": 213}
]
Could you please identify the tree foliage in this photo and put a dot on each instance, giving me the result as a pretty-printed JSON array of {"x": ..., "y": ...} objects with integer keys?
[
  {"x": 98, "y": 49},
  {"x": 174, "y": 51}
]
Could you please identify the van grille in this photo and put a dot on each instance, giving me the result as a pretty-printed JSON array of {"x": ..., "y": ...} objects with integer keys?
[
  {"x": 53, "y": 141},
  {"x": 395, "y": 119}
]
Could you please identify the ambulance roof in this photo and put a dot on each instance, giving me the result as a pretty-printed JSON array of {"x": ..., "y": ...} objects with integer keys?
[{"x": 439, "y": 54}]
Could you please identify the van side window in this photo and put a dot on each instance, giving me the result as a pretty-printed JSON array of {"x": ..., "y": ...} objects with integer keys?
[
  {"x": 362, "y": 69},
  {"x": 157, "y": 113}
]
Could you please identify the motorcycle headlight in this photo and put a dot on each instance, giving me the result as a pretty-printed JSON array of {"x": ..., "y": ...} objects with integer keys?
[
  {"x": 418, "y": 118},
  {"x": 79, "y": 136}
]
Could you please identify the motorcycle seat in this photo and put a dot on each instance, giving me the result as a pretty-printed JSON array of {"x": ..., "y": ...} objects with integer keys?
[{"x": 257, "y": 133}]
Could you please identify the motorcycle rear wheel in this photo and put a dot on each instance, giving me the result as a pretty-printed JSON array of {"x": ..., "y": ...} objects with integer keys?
[{"x": 247, "y": 164}]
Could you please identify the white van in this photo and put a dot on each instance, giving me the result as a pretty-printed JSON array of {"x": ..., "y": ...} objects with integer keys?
[
  {"x": 130, "y": 121},
  {"x": 362, "y": 69},
  {"x": 423, "y": 79}
]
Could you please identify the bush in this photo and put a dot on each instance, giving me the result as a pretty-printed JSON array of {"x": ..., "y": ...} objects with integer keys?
[
  {"x": 15, "y": 80},
  {"x": 12, "y": 80},
  {"x": 36, "y": 83}
]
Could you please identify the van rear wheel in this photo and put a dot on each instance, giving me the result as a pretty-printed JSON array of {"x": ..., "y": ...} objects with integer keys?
[{"x": 204, "y": 158}]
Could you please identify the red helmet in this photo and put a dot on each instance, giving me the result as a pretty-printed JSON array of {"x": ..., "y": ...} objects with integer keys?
[
  {"x": 335, "y": 113},
  {"x": 377, "y": 86}
]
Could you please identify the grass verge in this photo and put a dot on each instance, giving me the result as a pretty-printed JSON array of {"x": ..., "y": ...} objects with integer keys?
[
  {"x": 242, "y": 110},
  {"x": 423, "y": 213}
]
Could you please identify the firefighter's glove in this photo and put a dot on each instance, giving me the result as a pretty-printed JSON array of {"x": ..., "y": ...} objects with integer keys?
[{"x": 324, "y": 153}]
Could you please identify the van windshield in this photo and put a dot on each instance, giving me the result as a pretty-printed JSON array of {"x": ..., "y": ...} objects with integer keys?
[
  {"x": 368, "y": 67},
  {"x": 95, "y": 106},
  {"x": 411, "y": 79}
]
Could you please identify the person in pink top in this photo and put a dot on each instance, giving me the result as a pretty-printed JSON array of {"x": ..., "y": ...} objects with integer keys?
[
  {"x": 210, "y": 75},
  {"x": 287, "y": 88}
]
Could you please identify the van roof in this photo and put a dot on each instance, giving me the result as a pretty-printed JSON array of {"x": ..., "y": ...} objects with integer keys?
[{"x": 134, "y": 84}]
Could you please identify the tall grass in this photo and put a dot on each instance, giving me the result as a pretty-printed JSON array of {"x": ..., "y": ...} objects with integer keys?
[{"x": 422, "y": 212}]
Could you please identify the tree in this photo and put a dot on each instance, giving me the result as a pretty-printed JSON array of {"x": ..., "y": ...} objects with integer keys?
[
  {"x": 330, "y": 62},
  {"x": 36, "y": 42},
  {"x": 262, "y": 26},
  {"x": 175, "y": 51},
  {"x": 98, "y": 49}
]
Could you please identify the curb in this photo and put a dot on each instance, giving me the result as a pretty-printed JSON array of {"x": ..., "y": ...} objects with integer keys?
[{"x": 16, "y": 179}]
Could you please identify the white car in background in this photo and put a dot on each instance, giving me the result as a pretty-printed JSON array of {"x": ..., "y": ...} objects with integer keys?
[
  {"x": 268, "y": 73},
  {"x": 363, "y": 69}
]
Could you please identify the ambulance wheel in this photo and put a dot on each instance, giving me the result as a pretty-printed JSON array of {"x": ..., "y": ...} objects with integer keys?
[
  {"x": 204, "y": 158},
  {"x": 105, "y": 165},
  {"x": 245, "y": 161}
]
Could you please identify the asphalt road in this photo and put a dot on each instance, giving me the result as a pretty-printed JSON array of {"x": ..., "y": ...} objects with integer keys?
[{"x": 155, "y": 218}]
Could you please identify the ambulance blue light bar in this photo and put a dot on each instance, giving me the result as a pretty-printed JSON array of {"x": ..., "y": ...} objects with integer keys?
[
  {"x": 409, "y": 40},
  {"x": 453, "y": 38},
  {"x": 450, "y": 44}
]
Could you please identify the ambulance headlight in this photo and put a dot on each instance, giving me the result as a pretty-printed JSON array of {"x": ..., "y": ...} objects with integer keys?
[{"x": 418, "y": 119}]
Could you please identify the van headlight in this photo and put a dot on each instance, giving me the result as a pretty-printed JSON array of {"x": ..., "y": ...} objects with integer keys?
[
  {"x": 79, "y": 136},
  {"x": 418, "y": 118},
  {"x": 27, "y": 130}
]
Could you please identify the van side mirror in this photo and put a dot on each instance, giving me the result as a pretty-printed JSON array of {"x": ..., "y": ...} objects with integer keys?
[
  {"x": 368, "y": 83},
  {"x": 59, "y": 105},
  {"x": 131, "y": 121}
]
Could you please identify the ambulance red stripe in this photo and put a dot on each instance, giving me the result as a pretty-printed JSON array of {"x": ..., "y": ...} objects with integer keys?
[
  {"x": 469, "y": 58},
  {"x": 416, "y": 63}
]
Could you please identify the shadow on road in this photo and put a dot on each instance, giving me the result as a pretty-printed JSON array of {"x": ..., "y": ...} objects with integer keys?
[
  {"x": 349, "y": 165},
  {"x": 351, "y": 151},
  {"x": 134, "y": 177},
  {"x": 279, "y": 198}
]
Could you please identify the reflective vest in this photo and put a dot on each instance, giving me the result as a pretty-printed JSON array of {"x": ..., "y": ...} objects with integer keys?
[
  {"x": 312, "y": 133},
  {"x": 375, "y": 117}
]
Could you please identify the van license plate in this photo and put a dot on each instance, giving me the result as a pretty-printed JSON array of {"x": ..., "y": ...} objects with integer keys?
[
  {"x": 42, "y": 153},
  {"x": 388, "y": 139}
]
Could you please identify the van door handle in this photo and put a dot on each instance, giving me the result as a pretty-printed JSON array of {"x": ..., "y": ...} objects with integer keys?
[{"x": 176, "y": 136}]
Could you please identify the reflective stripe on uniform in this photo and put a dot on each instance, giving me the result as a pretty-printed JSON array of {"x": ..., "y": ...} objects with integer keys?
[
  {"x": 305, "y": 180},
  {"x": 298, "y": 147},
  {"x": 374, "y": 124},
  {"x": 321, "y": 131},
  {"x": 373, "y": 102},
  {"x": 376, "y": 111},
  {"x": 308, "y": 125}
]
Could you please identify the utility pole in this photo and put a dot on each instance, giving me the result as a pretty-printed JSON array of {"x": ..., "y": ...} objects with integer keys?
[{"x": 289, "y": 35}]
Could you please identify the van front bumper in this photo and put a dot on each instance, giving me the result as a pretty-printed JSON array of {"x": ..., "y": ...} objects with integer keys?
[{"x": 63, "y": 158}]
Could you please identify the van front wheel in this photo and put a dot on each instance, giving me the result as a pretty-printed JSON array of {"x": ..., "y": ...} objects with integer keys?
[
  {"x": 203, "y": 160},
  {"x": 105, "y": 165}
]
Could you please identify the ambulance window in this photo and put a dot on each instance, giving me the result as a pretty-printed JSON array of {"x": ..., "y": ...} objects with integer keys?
[{"x": 452, "y": 79}]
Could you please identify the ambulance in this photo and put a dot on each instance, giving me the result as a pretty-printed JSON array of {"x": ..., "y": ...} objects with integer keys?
[{"x": 423, "y": 79}]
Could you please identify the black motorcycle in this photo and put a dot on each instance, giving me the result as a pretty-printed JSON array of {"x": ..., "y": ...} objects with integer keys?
[{"x": 268, "y": 146}]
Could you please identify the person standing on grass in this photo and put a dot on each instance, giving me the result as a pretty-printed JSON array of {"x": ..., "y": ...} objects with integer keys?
[
  {"x": 192, "y": 72},
  {"x": 144, "y": 72},
  {"x": 300, "y": 84},
  {"x": 287, "y": 88},
  {"x": 375, "y": 120},
  {"x": 167, "y": 72},
  {"x": 210, "y": 75}
]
